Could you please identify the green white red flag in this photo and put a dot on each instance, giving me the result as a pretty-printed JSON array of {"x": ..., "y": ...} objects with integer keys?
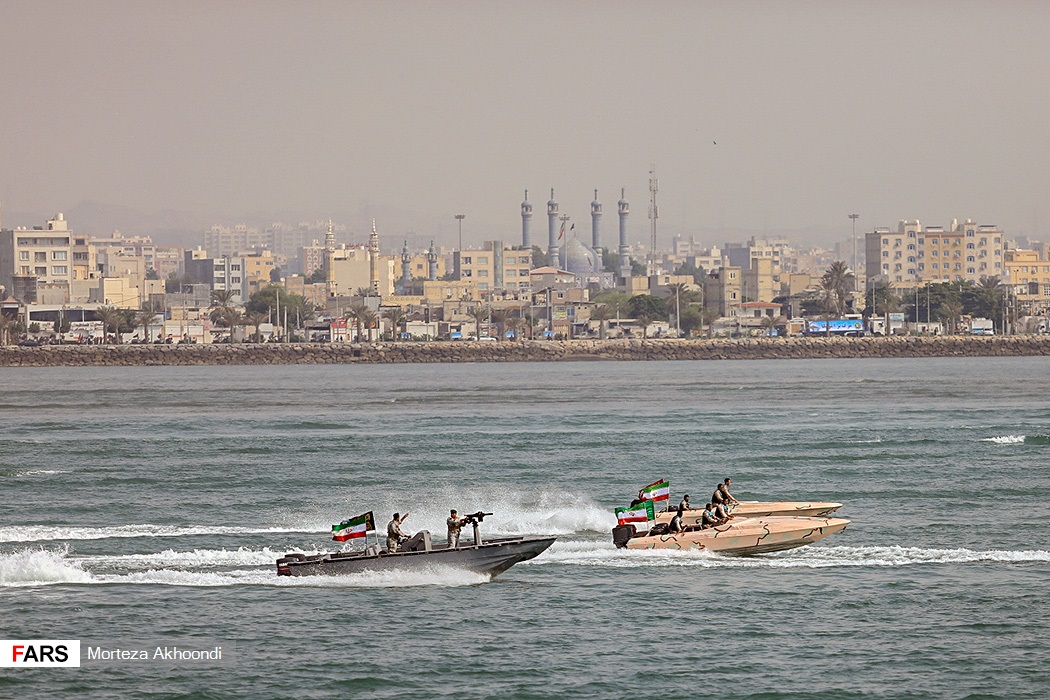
[
  {"x": 354, "y": 527},
  {"x": 657, "y": 491},
  {"x": 640, "y": 515}
]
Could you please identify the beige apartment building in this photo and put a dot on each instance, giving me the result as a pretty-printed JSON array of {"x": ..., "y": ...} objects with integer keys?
[
  {"x": 1028, "y": 274},
  {"x": 914, "y": 255},
  {"x": 496, "y": 266},
  {"x": 722, "y": 290},
  {"x": 257, "y": 268},
  {"x": 36, "y": 265},
  {"x": 351, "y": 270},
  {"x": 759, "y": 283}
]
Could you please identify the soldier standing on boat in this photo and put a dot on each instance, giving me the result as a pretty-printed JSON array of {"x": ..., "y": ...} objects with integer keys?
[
  {"x": 455, "y": 524},
  {"x": 394, "y": 535}
]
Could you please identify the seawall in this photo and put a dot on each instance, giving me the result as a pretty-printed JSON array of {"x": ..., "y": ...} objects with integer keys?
[{"x": 527, "y": 351}]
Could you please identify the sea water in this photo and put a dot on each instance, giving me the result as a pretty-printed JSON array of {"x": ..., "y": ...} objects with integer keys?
[{"x": 145, "y": 507}]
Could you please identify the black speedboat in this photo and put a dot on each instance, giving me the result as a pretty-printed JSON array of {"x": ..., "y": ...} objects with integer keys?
[{"x": 490, "y": 557}]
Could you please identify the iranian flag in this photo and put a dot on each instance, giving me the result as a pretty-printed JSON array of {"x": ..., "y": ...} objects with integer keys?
[
  {"x": 354, "y": 527},
  {"x": 640, "y": 515},
  {"x": 657, "y": 491}
]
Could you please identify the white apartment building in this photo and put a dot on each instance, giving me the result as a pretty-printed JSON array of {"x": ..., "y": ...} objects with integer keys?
[{"x": 913, "y": 255}]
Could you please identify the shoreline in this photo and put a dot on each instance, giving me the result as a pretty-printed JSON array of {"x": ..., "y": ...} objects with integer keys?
[{"x": 525, "y": 351}]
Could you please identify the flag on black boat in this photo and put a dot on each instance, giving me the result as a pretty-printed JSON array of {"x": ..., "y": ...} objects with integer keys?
[{"x": 354, "y": 527}]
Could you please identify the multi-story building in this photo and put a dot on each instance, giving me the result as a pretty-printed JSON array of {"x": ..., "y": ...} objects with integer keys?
[
  {"x": 224, "y": 273},
  {"x": 742, "y": 254},
  {"x": 1028, "y": 274},
  {"x": 223, "y": 241},
  {"x": 284, "y": 240},
  {"x": 257, "y": 268},
  {"x": 496, "y": 266},
  {"x": 311, "y": 258},
  {"x": 722, "y": 290},
  {"x": 130, "y": 246},
  {"x": 36, "y": 265},
  {"x": 419, "y": 266},
  {"x": 758, "y": 283},
  {"x": 168, "y": 261},
  {"x": 914, "y": 255},
  {"x": 351, "y": 269}
]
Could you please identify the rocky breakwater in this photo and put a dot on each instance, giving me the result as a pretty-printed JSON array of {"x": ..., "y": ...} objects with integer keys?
[{"x": 527, "y": 351}]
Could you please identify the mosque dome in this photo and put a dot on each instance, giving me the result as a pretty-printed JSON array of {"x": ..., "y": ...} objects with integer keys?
[{"x": 580, "y": 259}]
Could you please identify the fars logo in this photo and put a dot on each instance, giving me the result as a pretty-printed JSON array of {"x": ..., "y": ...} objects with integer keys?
[{"x": 26, "y": 653}]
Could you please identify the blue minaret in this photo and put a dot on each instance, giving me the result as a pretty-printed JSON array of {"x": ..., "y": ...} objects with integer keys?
[
  {"x": 406, "y": 268},
  {"x": 625, "y": 256},
  {"x": 432, "y": 263},
  {"x": 552, "y": 230},
  {"x": 526, "y": 222},
  {"x": 596, "y": 236}
]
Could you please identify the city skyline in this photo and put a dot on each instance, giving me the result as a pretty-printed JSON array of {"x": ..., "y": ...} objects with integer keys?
[{"x": 760, "y": 119}]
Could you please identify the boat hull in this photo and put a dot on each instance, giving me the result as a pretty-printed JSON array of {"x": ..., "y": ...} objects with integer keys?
[
  {"x": 759, "y": 509},
  {"x": 491, "y": 558},
  {"x": 747, "y": 536}
]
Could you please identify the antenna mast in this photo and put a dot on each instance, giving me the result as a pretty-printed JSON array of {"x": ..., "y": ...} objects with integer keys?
[{"x": 653, "y": 214}]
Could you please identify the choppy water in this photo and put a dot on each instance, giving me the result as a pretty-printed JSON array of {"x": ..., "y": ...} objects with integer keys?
[{"x": 146, "y": 506}]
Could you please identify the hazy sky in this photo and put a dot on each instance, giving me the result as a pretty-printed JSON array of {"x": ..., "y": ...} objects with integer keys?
[{"x": 416, "y": 111}]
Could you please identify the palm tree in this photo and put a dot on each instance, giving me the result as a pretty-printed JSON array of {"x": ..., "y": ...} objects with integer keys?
[
  {"x": 111, "y": 317},
  {"x": 499, "y": 317},
  {"x": 676, "y": 291},
  {"x": 837, "y": 282},
  {"x": 769, "y": 323},
  {"x": 6, "y": 325},
  {"x": 255, "y": 318},
  {"x": 826, "y": 302},
  {"x": 144, "y": 318},
  {"x": 643, "y": 320},
  {"x": 397, "y": 317},
  {"x": 529, "y": 320},
  {"x": 949, "y": 312},
  {"x": 708, "y": 317},
  {"x": 884, "y": 301},
  {"x": 601, "y": 313},
  {"x": 222, "y": 297},
  {"x": 369, "y": 318},
  {"x": 357, "y": 312},
  {"x": 512, "y": 324},
  {"x": 478, "y": 313},
  {"x": 230, "y": 318}
]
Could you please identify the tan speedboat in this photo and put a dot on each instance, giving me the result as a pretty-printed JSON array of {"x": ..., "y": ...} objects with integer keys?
[
  {"x": 739, "y": 537},
  {"x": 757, "y": 509}
]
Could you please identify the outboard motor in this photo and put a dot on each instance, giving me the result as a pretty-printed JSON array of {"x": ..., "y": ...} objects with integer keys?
[{"x": 622, "y": 533}]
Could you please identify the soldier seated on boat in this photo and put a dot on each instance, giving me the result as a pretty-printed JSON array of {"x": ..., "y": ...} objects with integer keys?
[
  {"x": 675, "y": 526},
  {"x": 455, "y": 524},
  {"x": 640, "y": 499},
  {"x": 708, "y": 518},
  {"x": 394, "y": 534},
  {"x": 721, "y": 512},
  {"x": 684, "y": 505},
  {"x": 729, "y": 500}
]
